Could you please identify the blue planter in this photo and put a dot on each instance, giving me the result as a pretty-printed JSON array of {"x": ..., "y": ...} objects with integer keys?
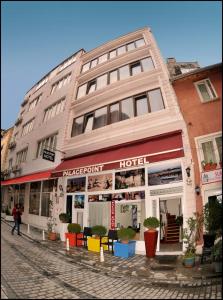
[{"x": 124, "y": 250}]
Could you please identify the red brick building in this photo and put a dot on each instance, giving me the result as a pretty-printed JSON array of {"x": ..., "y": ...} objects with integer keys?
[{"x": 199, "y": 95}]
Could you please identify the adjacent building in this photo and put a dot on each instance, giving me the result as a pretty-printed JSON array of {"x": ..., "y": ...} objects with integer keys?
[
  {"x": 5, "y": 145},
  {"x": 199, "y": 94},
  {"x": 121, "y": 143}
]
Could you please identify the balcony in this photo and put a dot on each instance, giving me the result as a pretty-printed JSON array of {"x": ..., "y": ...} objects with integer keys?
[
  {"x": 24, "y": 102},
  {"x": 16, "y": 168},
  {"x": 18, "y": 121},
  {"x": 12, "y": 145}
]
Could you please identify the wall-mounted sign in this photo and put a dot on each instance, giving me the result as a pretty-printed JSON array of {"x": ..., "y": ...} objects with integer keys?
[
  {"x": 112, "y": 214},
  {"x": 48, "y": 155},
  {"x": 211, "y": 176}
]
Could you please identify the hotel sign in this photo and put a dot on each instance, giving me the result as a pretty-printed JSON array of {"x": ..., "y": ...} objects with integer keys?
[
  {"x": 133, "y": 162},
  {"x": 211, "y": 176}
]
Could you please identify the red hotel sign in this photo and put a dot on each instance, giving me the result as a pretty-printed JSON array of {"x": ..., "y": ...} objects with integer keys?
[
  {"x": 113, "y": 214},
  {"x": 98, "y": 168}
]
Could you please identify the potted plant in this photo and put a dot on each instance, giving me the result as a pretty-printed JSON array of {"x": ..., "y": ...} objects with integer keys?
[
  {"x": 179, "y": 221},
  {"x": 51, "y": 224},
  {"x": 217, "y": 256},
  {"x": 151, "y": 235},
  {"x": 73, "y": 230},
  {"x": 125, "y": 247},
  {"x": 62, "y": 226},
  {"x": 98, "y": 231},
  {"x": 208, "y": 166},
  {"x": 191, "y": 236}
]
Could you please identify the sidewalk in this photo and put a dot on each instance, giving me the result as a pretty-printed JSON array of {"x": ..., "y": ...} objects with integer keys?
[{"x": 162, "y": 270}]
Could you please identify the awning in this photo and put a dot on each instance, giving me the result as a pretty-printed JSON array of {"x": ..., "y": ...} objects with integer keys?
[
  {"x": 164, "y": 143},
  {"x": 28, "y": 178}
]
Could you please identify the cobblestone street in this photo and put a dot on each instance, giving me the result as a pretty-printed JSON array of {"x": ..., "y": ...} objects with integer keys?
[{"x": 31, "y": 270}]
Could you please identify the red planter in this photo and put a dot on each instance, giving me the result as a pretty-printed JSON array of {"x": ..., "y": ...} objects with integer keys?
[
  {"x": 72, "y": 239},
  {"x": 150, "y": 237},
  {"x": 210, "y": 167}
]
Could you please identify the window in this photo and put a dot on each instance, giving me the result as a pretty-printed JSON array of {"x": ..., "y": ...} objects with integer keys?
[
  {"x": 147, "y": 64},
  {"x": 112, "y": 54},
  {"x": 88, "y": 122},
  {"x": 124, "y": 72},
  {"x": 94, "y": 63},
  {"x": 102, "y": 81},
  {"x": 114, "y": 113},
  {"x": 121, "y": 50},
  {"x": 91, "y": 86},
  {"x": 211, "y": 149},
  {"x": 77, "y": 126},
  {"x": 34, "y": 198},
  {"x": 155, "y": 100},
  {"x": 58, "y": 85},
  {"x": 100, "y": 117},
  {"x": 86, "y": 67},
  {"x": 21, "y": 156},
  {"x": 135, "y": 69},
  {"x": 127, "y": 109},
  {"x": 113, "y": 76},
  {"x": 48, "y": 143},
  {"x": 131, "y": 46},
  {"x": 103, "y": 58},
  {"x": 205, "y": 90},
  {"x": 27, "y": 127},
  {"x": 10, "y": 164},
  {"x": 67, "y": 63},
  {"x": 82, "y": 91},
  {"x": 34, "y": 102},
  {"x": 140, "y": 43},
  {"x": 47, "y": 189},
  {"x": 141, "y": 105},
  {"x": 54, "y": 110}
]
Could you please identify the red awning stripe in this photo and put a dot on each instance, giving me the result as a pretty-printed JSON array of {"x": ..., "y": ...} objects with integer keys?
[
  {"x": 156, "y": 144},
  {"x": 28, "y": 178}
]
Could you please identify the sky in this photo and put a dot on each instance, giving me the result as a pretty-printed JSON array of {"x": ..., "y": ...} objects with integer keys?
[{"x": 37, "y": 35}]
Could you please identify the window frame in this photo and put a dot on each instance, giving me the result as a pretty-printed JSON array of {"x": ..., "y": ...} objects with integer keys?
[
  {"x": 208, "y": 89},
  {"x": 109, "y": 113}
]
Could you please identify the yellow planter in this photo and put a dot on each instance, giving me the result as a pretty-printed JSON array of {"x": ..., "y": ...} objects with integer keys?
[{"x": 94, "y": 244}]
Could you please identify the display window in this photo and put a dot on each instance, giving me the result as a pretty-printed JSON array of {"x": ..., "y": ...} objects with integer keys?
[
  {"x": 100, "y": 182},
  {"x": 130, "y": 178},
  {"x": 76, "y": 185}
]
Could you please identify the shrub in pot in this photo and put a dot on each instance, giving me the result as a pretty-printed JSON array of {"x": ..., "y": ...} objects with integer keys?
[
  {"x": 217, "y": 256},
  {"x": 74, "y": 229},
  {"x": 191, "y": 236},
  {"x": 151, "y": 235},
  {"x": 126, "y": 247},
  {"x": 64, "y": 218},
  {"x": 98, "y": 231}
]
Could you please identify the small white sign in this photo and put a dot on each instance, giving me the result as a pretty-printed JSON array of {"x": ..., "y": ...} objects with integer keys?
[{"x": 211, "y": 176}]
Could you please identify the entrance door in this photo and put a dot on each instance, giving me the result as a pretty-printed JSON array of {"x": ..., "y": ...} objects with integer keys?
[
  {"x": 69, "y": 207},
  {"x": 170, "y": 212}
]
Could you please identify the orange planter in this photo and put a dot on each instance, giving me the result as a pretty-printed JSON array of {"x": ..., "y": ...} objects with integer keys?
[
  {"x": 210, "y": 167},
  {"x": 72, "y": 239}
]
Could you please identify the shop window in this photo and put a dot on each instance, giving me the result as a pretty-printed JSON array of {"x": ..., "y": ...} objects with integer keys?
[
  {"x": 165, "y": 174},
  {"x": 100, "y": 182},
  {"x": 89, "y": 122},
  {"x": 205, "y": 90},
  {"x": 155, "y": 100},
  {"x": 127, "y": 109},
  {"x": 130, "y": 178},
  {"x": 76, "y": 185},
  {"x": 34, "y": 198},
  {"x": 100, "y": 117},
  {"x": 141, "y": 105},
  {"x": 114, "y": 113},
  {"x": 135, "y": 68},
  {"x": 77, "y": 127}
]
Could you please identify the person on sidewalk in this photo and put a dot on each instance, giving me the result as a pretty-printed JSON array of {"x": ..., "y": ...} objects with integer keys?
[{"x": 16, "y": 212}]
